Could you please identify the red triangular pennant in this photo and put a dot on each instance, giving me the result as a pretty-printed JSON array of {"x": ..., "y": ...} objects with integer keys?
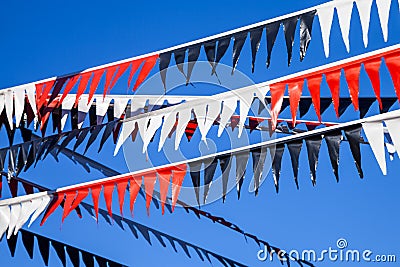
[
  {"x": 108, "y": 191},
  {"x": 121, "y": 70},
  {"x": 95, "y": 195},
  {"x": 277, "y": 92},
  {"x": 82, "y": 194},
  {"x": 352, "y": 74},
  {"x": 82, "y": 86},
  {"x": 109, "y": 74},
  {"x": 149, "y": 182},
  {"x": 56, "y": 201},
  {"x": 372, "y": 68},
  {"x": 393, "y": 64},
  {"x": 190, "y": 129},
  {"x": 42, "y": 92},
  {"x": 69, "y": 198},
  {"x": 177, "y": 179},
  {"x": 13, "y": 185},
  {"x": 95, "y": 83},
  {"x": 68, "y": 87},
  {"x": 295, "y": 88},
  {"x": 121, "y": 187},
  {"x": 134, "y": 187},
  {"x": 314, "y": 86},
  {"x": 147, "y": 67},
  {"x": 333, "y": 80},
  {"x": 164, "y": 177},
  {"x": 135, "y": 66}
]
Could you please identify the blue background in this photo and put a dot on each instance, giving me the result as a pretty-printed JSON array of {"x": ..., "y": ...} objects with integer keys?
[{"x": 47, "y": 38}]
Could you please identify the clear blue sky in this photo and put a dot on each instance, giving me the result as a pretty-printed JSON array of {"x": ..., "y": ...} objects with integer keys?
[{"x": 40, "y": 40}]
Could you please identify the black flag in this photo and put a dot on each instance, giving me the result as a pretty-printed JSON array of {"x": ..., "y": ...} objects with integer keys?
[{"x": 306, "y": 23}]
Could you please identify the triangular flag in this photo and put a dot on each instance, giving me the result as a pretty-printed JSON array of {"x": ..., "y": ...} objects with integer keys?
[
  {"x": 383, "y": 11},
  {"x": 239, "y": 40},
  {"x": 325, "y": 17},
  {"x": 272, "y": 32},
  {"x": 372, "y": 68},
  {"x": 333, "y": 142},
  {"x": 313, "y": 145},
  {"x": 306, "y": 23},
  {"x": 374, "y": 133},
  {"x": 364, "y": 10},
  {"x": 352, "y": 74},
  {"x": 393, "y": 126},
  {"x": 295, "y": 89},
  {"x": 255, "y": 38},
  {"x": 333, "y": 80},
  {"x": 344, "y": 10}
]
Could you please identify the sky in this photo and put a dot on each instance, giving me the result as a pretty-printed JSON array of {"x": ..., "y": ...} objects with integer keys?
[{"x": 47, "y": 39}]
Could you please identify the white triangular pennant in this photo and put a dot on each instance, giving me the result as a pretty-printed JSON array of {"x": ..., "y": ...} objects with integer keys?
[
  {"x": 120, "y": 106},
  {"x": 383, "y": 11},
  {"x": 45, "y": 201},
  {"x": 183, "y": 120},
  {"x": 30, "y": 93},
  {"x": 14, "y": 215},
  {"x": 169, "y": 123},
  {"x": 325, "y": 17},
  {"x": 344, "y": 10},
  {"x": 364, "y": 10},
  {"x": 228, "y": 108},
  {"x": 102, "y": 104},
  {"x": 9, "y": 103},
  {"x": 393, "y": 126},
  {"x": 83, "y": 109},
  {"x": 374, "y": 133},
  {"x": 153, "y": 125},
  {"x": 27, "y": 208},
  {"x": 127, "y": 128},
  {"x": 137, "y": 106},
  {"x": 213, "y": 110},
  {"x": 19, "y": 96},
  {"x": 4, "y": 219},
  {"x": 246, "y": 99},
  {"x": 2, "y": 100}
]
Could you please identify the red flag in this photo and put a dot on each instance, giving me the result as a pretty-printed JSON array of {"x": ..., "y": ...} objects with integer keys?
[
  {"x": 135, "y": 65},
  {"x": 82, "y": 194},
  {"x": 69, "y": 198},
  {"x": 372, "y": 68},
  {"x": 134, "y": 187},
  {"x": 333, "y": 80},
  {"x": 121, "y": 70},
  {"x": 56, "y": 201},
  {"x": 314, "y": 86},
  {"x": 149, "y": 182},
  {"x": 147, "y": 67},
  {"x": 108, "y": 191},
  {"x": 190, "y": 129},
  {"x": 352, "y": 74},
  {"x": 121, "y": 187},
  {"x": 95, "y": 195},
  {"x": 42, "y": 92},
  {"x": 393, "y": 64},
  {"x": 164, "y": 177},
  {"x": 82, "y": 86},
  {"x": 95, "y": 83},
  {"x": 179, "y": 173},
  {"x": 277, "y": 90},
  {"x": 295, "y": 88},
  {"x": 109, "y": 74},
  {"x": 68, "y": 87}
]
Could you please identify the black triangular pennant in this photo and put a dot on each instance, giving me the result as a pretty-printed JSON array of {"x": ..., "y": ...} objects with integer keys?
[
  {"x": 82, "y": 136},
  {"x": 195, "y": 175},
  {"x": 74, "y": 118},
  {"x": 107, "y": 132},
  {"x": 225, "y": 165},
  {"x": 93, "y": 136},
  {"x": 387, "y": 103},
  {"x": 26, "y": 134},
  {"x": 87, "y": 259},
  {"x": 28, "y": 240},
  {"x": 3, "y": 154},
  {"x": 52, "y": 143},
  {"x": 276, "y": 155},
  {"x": 210, "y": 48},
  {"x": 365, "y": 104},
  {"x": 333, "y": 140},
  {"x": 22, "y": 157},
  {"x": 241, "y": 163},
  {"x": 255, "y": 39},
  {"x": 324, "y": 104},
  {"x": 193, "y": 55},
  {"x": 32, "y": 154},
  {"x": 44, "y": 248},
  {"x": 73, "y": 254},
  {"x": 239, "y": 40},
  {"x": 12, "y": 160},
  {"x": 12, "y": 243},
  {"x": 272, "y": 32},
  {"x": 289, "y": 28},
  {"x": 101, "y": 261},
  {"x": 56, "y": 119},
  {"x": 74, "y": 133},
  {"x": 179, "y": 56},
  {"x": 285, "y": 104},
  {"x": 165, "y": 59},
  {"x": 222, "y": 46},
  {"x": 304, "y": 106},
  {"x": 60, "y": 250},
  {"x": 92, "y": 116},
  {"x": 313, "y": 145},
  {"x": 306, "y": 23},
  {"x": 210, "y": 167},
  {"x": 344, "y": 103},
  {"x": 258, "y": 155},
  {"x": 294, "y": 151},
  {"x": 353, "y": 135}
]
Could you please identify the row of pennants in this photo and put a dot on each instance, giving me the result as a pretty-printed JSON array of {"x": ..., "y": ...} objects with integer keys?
[
  {"x": 14, "y": 212},
  {"x": 62, "y": 250},
  {"x": 215, "y": 50},
  {"x": 144, "y": 230},
  {"x": 313, "y": 80}
]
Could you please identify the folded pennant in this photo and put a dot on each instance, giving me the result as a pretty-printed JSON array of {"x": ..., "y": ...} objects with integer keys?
[{"x": 333, "y": 142}]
